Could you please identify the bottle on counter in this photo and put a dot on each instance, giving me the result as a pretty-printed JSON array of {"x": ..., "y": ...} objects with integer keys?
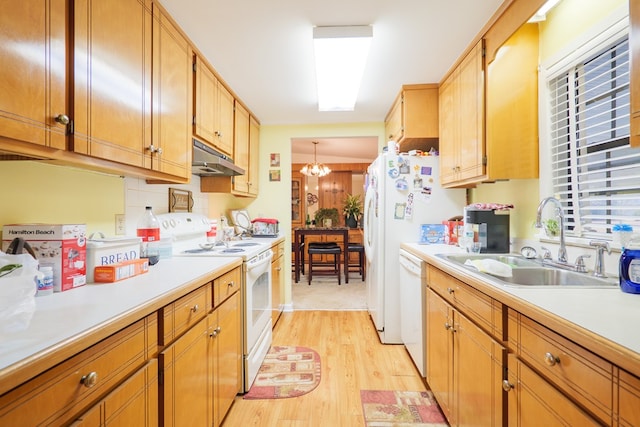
[
  {"x": 45, "y": 281},
  {"x": 629, "y": 268},
  {"x": 149, "y": 230},
  {"x": 308, "y": 221}
]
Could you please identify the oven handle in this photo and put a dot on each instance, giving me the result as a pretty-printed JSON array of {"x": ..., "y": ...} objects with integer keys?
[{"x": 266, "y": 260}]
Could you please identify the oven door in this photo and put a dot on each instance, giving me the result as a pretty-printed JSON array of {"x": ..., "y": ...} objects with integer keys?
[{"x": 257, "y": 313}]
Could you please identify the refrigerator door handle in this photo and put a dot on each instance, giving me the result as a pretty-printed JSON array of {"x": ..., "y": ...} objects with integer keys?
[{"x": 369, "y": 204}]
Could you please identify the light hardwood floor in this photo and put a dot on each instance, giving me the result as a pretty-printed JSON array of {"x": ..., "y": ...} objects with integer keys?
[{"x": 352, "y": 359}]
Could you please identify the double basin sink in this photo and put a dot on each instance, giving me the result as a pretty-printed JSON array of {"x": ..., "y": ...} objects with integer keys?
[{"x": 531, "y": 272}]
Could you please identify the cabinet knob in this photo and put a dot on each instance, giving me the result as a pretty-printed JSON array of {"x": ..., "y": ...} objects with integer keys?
[
  {"x": 449, "y": 327},
  {"x": 159, "y": 151},
  {"x": 63, "y": 119},
  {"x": 89, "y": 380},
  {"x": 506, "y": 385},
  {"x": 230, "y": 284},
  {"x": 195, "y": 308},
  {"x": 550, "y": 359},
  {"x": 450, "y": 290},
  {"x": 215, "y": 332}
]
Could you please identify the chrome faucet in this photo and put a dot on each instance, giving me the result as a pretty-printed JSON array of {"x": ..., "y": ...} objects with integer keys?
[
  {"x": 601, "y": 247},
  {"x": 562, "y": 251}
]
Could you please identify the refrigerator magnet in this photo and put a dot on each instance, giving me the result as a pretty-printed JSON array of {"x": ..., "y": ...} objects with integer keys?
[
  {"x": 401, "y": 184},
  {"x": 404, "y": 166},
  {"x": 399, "y": 211},
  {"x": 417, "y": 182},
  {"x": 408, "y": 211},
  {"x": 425, "y": 170},
  {"x": 393, "y": 173}
]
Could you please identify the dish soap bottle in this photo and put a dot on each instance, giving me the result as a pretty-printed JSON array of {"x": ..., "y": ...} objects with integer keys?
[
  {"x": 630, "y": 268},
  {"x": 149, "y": 230}
]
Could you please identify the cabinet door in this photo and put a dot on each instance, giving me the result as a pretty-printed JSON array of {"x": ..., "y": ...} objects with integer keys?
[
  {"x": 393, "y": 124},
  {"x": 241, "y": 155},
  {"x": 172, "y": 98},
  {"x": 534, "y": 402},
  {"x": 478, "y": 372},
  {"x": 205, "y": 102},
  {"x": 33, "y": 43},
  {"x": 112, "y": 80},
  {"x": 225, "y": 119},
  {"x": 133, "y": 403},
  {"x": 277, "y": 291},
  {"x": 186, "y": 385},
  {"x": 225, "y": 333},
  {"x": 297, "y": 202},
  {"x": 471, "y": 114},
  {"x": 449, "y": 129},
  {"x": 439, "y": 374},
  {"x": 254, "y": 156}
]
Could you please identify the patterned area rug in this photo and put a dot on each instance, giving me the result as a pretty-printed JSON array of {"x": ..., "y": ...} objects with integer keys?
[
  {"x": 286, "y": 372},
  {"x": 384, "y": 408}
]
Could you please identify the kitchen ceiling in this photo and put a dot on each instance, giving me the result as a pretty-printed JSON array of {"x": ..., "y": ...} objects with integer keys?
[{"x": 264, "y": 49}]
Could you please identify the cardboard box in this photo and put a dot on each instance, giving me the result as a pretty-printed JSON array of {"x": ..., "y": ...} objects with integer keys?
[
  {"x": 60, "y": 246},
  {"x": 120, "y": 271},
  {"x": 455, "y": 229},
  {"x": 432, "y": 233}
]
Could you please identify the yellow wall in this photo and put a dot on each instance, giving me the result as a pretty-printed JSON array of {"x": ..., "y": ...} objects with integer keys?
[{"x": 39, "y": 192}]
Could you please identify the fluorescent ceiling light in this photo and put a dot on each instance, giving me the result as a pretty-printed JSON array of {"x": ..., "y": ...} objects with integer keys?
[
  {"x": 541, "y": 14},
  {"x": 341, "y": 54}
]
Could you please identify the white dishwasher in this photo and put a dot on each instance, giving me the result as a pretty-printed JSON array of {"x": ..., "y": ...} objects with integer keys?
[{"x": 412, "y": 303}]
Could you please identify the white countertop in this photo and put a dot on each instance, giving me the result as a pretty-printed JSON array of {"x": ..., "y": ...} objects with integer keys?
[
  {"x": 65, "y": 316},
  {"x": 608, "y": 313}
]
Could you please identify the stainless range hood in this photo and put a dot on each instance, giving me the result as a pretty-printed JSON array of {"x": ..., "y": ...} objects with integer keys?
[{"x": 209, "y": 162}]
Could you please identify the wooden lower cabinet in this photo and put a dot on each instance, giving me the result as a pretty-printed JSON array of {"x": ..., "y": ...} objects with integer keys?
[
  {"x": 277, "y": 279},
  {"x": 134, "y": 403},
  {"x": 201, "y": 371},
  {"x": 629, "y": 399},
  {"x": 532, "y": 401},
  {"x": 464, "y": 366}
]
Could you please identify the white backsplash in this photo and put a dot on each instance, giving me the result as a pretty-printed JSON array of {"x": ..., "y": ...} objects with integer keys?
[{"x": 139, "y": 194}]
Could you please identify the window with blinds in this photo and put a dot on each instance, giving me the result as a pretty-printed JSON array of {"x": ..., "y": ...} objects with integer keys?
[{"x": 596, "y": 174}]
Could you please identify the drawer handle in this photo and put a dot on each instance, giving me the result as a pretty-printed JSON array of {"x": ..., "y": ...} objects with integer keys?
[
  {"x": 550, "y": 359},
  {"x": 89, "y": 380},
  {"x": 450, "y": 290},
  {"x": 215, "y": 332},
  {"x": 230, "y": 284},
  {"x": 506, "y": 385},
  {"x": 195, "y": 308},
  {"x": 449, "y": 327}
]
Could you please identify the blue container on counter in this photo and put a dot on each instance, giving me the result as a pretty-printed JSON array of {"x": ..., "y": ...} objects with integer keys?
[{"x": 630, "y": 270}]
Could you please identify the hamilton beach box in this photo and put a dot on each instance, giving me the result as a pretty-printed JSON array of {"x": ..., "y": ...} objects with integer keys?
[{"x": 60, "y": 246}]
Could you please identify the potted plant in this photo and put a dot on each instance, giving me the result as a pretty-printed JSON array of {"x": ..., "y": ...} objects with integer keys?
[
  {"x": 323, "y": 214},
  {"x": 352, "y": 210}
]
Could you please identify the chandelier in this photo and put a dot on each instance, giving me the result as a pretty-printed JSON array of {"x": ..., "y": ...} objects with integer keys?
[{"x": 315, "y": 168}]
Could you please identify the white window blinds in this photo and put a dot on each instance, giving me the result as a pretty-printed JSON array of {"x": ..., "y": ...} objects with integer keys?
[{"x": 596, "y": 174}]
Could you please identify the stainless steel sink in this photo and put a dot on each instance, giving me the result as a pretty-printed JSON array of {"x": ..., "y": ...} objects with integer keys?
[
  {"x": 542, "y": 276},
  {"x": 513, "y": 260},
  {"x": 529, "y": 272}
]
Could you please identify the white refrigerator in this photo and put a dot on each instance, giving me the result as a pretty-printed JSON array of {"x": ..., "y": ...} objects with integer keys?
[{"x": 402, "y": 193}]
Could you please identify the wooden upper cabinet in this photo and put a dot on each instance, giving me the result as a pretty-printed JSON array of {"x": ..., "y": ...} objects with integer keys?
[
  {"x": 214, "y": 105},
  {"x": 33, "y": 75},
  {"x": 634, "y": 47},
  {"x": 172, "y": 98},
  {"x": 461, "y": 145},
  {"x": 112, "y": 81},
  {"x": 241, "y": 154},
  {"x": 512, "y": 108},
  {"x": 413, "y": 117},
  {"x": 254, "y": 155}
]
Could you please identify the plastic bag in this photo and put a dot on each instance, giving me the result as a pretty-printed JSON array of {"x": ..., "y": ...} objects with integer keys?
[{"x": 19, "y": 277}]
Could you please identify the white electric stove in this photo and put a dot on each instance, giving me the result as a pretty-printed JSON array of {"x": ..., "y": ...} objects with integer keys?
[{"x": 188, "y": 233}]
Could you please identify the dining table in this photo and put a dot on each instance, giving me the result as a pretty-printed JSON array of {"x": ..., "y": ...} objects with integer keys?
[{"x": 301, "y": 232}]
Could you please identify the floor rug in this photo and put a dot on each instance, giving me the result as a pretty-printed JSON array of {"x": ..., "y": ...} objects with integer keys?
[
  {"x": 384, "y": 408},
  {"x": 286, "y": 372}
]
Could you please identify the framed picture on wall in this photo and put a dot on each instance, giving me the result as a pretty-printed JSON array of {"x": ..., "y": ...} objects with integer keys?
[
  {"x": 274, "y": 161},
  {"x": 274, "y": 175}
]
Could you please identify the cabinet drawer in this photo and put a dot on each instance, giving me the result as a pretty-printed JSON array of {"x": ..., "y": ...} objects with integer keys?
[
  {"x": 629, "y": 395},
  {"x": 579, "y": 373},
  {"x": 61, "y": 393},
  {"x": 278, "y": 250},
  {"x": 480, "y": 308},
  {"x": 225, "y": 286},
  {"x": 177, "y": 317}
]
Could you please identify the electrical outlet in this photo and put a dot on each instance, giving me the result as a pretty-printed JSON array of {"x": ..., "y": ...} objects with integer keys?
[{"x": 121, "y": 228}]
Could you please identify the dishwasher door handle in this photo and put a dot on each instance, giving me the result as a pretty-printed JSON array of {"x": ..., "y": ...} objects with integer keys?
[{"x": 411, "y": 266}]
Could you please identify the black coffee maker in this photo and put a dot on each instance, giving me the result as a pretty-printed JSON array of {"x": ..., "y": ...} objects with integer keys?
[{"x": 491, "y": 227}]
